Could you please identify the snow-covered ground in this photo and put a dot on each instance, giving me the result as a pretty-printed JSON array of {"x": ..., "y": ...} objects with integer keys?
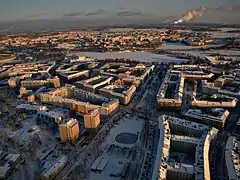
[
  {"x": 139, "y": 56},
  {"x": 234, "y": 54},
  {"x": 229, "y": 29},
  {"x": 33, "y": 148},
  {"x": 181, "y": 46},
  {"x": 127, "y": 125},
  {"x": 178, "y": 46},
  {"x": 224, "y": 34},
  {"x": 116, "y": 159}
]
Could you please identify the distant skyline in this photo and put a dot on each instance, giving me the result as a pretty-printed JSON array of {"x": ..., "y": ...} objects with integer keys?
[{"x": 28, "y": 10}]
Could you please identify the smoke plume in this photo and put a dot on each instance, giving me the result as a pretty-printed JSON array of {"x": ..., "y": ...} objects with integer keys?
[{"x": 191, "y": 15}]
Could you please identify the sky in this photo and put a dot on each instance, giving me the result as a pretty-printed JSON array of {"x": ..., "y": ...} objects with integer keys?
[{"x": 22, "y": 10}]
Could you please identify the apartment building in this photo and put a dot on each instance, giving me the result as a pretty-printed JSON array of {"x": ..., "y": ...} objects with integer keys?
[
  {"x": 95, "y": 83},
  {"x": 215, "y": 117},
  {"x": 187, "y": 137},
  {"x": 123, "y": 93},
  {"x": 69, "y": 130}
]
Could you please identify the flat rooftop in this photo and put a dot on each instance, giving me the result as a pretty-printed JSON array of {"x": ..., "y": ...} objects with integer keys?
[
  {"x": 217, "y": 98},
  {"x": 232, "y": 158},
  {"x": 98, "y": 80},
  {"x": 167, "y": 161},
  {"x": 212, "y": 112},
  {"x": 186, "y": 123}
]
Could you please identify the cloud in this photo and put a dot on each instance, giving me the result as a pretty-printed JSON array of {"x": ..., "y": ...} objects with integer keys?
[
  {"x": 230, "y": 8},
  {"x": 96, "y": 13},
  {"x": 39, "y": 12},
  {"x": 121, "y": 8},
  {"x": 42, "y": 8},
  {"x": 73, "y": 14},
  {"x": 36, "y": 15},
  {"x": 131, "y": 13}
]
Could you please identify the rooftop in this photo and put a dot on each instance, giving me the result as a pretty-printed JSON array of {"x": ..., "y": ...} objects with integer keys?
[
  {"x": 69, "y": 122},
  {"x": 214, "y": 113},
  {"x": 202, "y": 142},
  {"x": 7, "y": 162},
  {"x": 232, "y": 158}
]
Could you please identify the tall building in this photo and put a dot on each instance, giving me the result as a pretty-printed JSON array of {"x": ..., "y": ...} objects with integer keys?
[
  {"x": 69, "y": 130},
  {"x": 92, "y": 119},
  {"x": 183, "y": 137}
]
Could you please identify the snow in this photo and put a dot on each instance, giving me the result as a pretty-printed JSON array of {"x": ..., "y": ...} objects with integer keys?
[
  {"x": 139, "y": 56},
  {"x": 131, "y": 125},
  {"x": 224, "y": 34},
  {"x": 234, "y": 54},
  {"x": 173, "y": 46},
  {"x": 117, "y": 159}
]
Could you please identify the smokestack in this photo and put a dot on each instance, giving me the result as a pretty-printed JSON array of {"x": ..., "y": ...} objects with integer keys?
[{"x": 191, "y": 15}]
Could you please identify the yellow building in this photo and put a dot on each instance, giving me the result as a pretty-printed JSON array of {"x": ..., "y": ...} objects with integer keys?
[
  {"x": 69, "y": 130},
  {"x": 92, "y": 119}
]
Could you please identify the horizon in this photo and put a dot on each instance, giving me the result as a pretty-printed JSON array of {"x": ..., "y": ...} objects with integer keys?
[
  {"x": 24, "y": 10},
  {"x": 38, "y": 15}
]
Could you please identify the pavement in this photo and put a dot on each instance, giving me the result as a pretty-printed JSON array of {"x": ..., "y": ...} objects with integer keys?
[
  {"x": 217, "y": 160},
  {"x": 91, "y": 148}
]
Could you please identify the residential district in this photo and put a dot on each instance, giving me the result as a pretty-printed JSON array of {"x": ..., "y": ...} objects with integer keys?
[{"x": 65, "y": 115}]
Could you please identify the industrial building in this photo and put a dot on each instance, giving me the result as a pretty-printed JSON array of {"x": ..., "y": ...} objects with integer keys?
[
  {"x": 183, "y": 136},
  {"x": 215, "y": 117},
  {"x": 69, "y": 130},
  {"x": 95, "y": 83}
]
